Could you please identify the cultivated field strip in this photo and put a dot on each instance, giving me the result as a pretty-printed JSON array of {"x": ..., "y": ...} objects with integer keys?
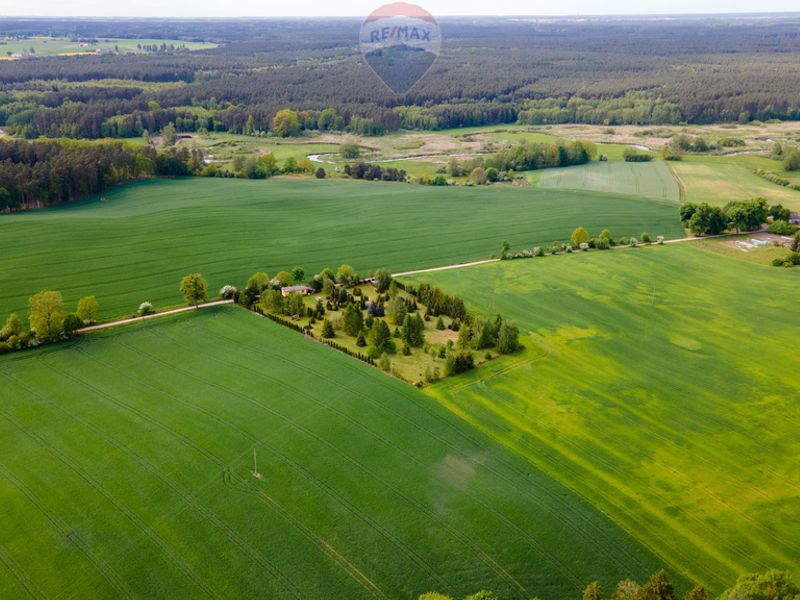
[
  {"x": 356, "y": 465},
  {"x": 138, "y": 522},
  {"x": 188, "y": 498},
  {"x": 644, "y": 180},
  {"x": 657, "y": 399},
  {"x": 145, "y": 237}
]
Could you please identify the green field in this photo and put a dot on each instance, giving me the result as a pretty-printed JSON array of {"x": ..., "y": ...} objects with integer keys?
[
  {"x": 135, "y": 242},
  {"x": 125, "y": 471},
  {"x": 718, "y": 180},
  {"x": 658, "y": 383},
  {"x": 646, "y": 180},
  {"x": 48, "y": 46}
]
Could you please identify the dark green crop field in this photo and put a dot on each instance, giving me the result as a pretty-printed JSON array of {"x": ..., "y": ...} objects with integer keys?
[
  {"x": 125, "y": 471},
  {"x": 661, "y": 384},
  {"x": 135, "y": 242}
]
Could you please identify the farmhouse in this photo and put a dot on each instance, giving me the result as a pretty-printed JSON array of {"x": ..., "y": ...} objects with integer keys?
[
  {"x": 794, "y": 218},
  {"x": 296, "y": 289}
]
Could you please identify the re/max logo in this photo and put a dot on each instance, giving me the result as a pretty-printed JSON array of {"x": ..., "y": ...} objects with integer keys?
[{"x": 399, "y": 33}]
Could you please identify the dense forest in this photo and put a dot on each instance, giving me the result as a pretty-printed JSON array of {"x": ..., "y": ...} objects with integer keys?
[
  {"x": 608, "y": 71},
  {"x": 45, "y": 172}
]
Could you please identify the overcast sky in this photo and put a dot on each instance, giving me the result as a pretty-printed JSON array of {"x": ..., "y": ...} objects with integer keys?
[{"x": 275, "y": 8}]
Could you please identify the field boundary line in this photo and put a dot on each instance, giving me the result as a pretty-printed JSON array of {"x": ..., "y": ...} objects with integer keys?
[
  {"x": 681, "y": 185},
  {"x": 446, "y": 443},
  {"x": 344, "y": 563},
  {"x": 409, "y": 499},
  {"x": 447, "y": 267},
  {"x": 313, "y": 479},
  {"x": 166, "y": 313}
]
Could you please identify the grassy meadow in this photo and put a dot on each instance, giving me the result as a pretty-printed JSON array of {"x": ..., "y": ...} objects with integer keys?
[
  {"x": 123, "y": 455},
  {"x": 660, "y": 384},
  {"x": 718, "y": 180},
  {"x": 135, "y": 242},
  {"x": 644, "y": 180}
]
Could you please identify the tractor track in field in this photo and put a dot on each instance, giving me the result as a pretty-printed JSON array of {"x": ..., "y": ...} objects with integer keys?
[
  {"x": 137, "y": 521},
  {"x": 101, "y": 565},
  {"x": 323, "y": 486},
  {"x": 409, "y": 500},
  {"x": 22, "y": 578},
  {"x": 524, "y": 534},
  {"x": 186, "y": 496},
  {"x": 455, "y": 449}
]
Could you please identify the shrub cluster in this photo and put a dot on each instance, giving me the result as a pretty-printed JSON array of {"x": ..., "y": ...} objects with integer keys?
[
  {"x": 777, "y": 179},
  {"x": 47, "y": 321},
  {"x": 374, "y": 172},
  {"x": 633, "y": 155}
]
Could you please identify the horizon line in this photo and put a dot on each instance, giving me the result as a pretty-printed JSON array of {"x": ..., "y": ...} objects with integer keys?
[{"x": 443, "y": 16}]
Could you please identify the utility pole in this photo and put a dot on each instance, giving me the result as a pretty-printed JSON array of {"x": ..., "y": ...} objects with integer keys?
[{"x": 255, "y": 465}]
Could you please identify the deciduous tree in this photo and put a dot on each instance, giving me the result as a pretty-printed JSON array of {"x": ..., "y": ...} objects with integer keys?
[
  {"x": 46, "y": 315},
  {"x": 593, "y": 591},
  {"x": 346, "y": 275},
  {"x": 579, "y": 236},
  {"x": 257, "y": 282},
  {"x": 285, "y": 123},
  {"x": 508, "y": 338},
  {"x": 194, "y": 289},
  {"x": 383, "y": 279},
  {"x": 13, "y": 326},
  {"x": 87, "y": 309},
  {"x": 658, "y": 587}
]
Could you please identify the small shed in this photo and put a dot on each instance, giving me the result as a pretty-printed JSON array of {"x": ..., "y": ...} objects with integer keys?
[
  {"x": 303, "y": 290},
  {"x": 794, "y": 218}
]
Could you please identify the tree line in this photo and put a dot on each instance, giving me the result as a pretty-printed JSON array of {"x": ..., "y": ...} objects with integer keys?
[
  {"x": 47, "y": 172},
  {"x": 771, "y": 585}
]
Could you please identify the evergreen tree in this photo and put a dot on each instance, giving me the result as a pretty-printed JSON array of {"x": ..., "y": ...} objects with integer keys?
[
  {"x": 379, "y": 335},
  {"x": 327, "y": 329},
  {"x": 414, "y": 331},
  {"x": 353, "y": 320}
]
